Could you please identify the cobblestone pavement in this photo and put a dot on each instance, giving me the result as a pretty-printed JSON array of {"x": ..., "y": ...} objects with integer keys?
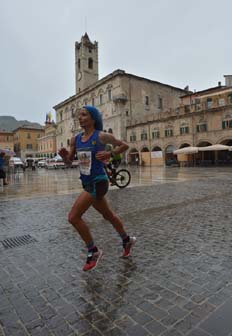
[{"x": 177, "y": 282}]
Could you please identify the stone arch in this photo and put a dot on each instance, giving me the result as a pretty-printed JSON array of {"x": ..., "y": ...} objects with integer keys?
[
  {"x": 157, "y": 156},
  {"x": 184, "y": 145},
  {"x": 203, "y": 143},
  {"x": 133, "y": 156},
  {"x": 145, "y": 156},
  {"x": 225, "y": 141},
  {"x": 144, "y": 150},
  {"x": 224, "y": 157},
  {"x": 156, "y": 149},
  {"x": 170, "y": 158},
  {"x": 208, "y": 157}
]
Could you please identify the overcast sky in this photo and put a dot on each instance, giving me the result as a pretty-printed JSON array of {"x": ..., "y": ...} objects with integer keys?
[{"x": 176, "y": 42}]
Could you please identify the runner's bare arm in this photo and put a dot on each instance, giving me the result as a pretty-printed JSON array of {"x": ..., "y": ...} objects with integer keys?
[
  {"x": 66, "y": 155},
  {"x": 107, "y": 138}
]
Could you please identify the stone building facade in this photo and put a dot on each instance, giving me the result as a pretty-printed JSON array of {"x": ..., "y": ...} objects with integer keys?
[
  {"x": 6, "y": 140},
  {"x": 47, "y": 142},
  {"x": 202, "y": 118},
  {"x": 125, "y": 100},
  {"x": 26, "y": 141}
]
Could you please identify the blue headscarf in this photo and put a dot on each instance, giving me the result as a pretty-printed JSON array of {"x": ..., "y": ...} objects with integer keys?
[{"x": 96, "y": 116}]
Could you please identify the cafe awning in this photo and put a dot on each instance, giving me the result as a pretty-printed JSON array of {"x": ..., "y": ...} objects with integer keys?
[
  {"x": 217, "y": 147},
  {"x": 186, "y": 150}
]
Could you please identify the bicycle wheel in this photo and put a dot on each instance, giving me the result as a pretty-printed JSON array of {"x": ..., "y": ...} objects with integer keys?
[{"x": 122, "y": 178}]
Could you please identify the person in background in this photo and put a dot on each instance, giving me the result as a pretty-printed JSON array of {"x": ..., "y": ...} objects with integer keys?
[
  {"x": 2, "y": 168},
  {"x": 90, "y": 148}
]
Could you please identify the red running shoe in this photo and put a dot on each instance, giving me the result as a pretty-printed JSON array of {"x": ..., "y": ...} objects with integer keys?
[
  {"x": 128, "y": 246},
  {"x": 92, "y": 260}
]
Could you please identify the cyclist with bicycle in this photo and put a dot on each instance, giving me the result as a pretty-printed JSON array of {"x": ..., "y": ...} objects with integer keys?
[
  {"x": 90, "y": 148},
  {"x": 114, "y": 162}
]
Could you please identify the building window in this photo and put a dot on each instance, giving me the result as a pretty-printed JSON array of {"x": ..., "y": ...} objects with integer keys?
[
  {"x": 187, "y": 108},
  {"x": 168, "y": 132},
  {"x": 61, "y": 144},
  {"x": 146, "y": 100},
  {"x": 144, "y": 136},
  {"x": 133, "y": 137},
  {"x": 90, "y": 63},
  {"x": 201, "y": 128},
  {"x": 155, "y": 134},
  {"x": 160, "y": 102},
  {"x": 184, "y": 130},
  {"x": 29, "y": 146},
  {"x": 110, "y": 130},
  {"x": 229, "y": 99},
  {"x": 101, "y": 99},
  {"x": 127, "y": 113},
  {"x": 68, "y": 142},
  {"x": 209, "y": 103},
  {"x": 109, "y": 94},
  {"x": 227, "y": 124},
  {"x": 28, "y": 136},
  {"x": 79, "y": 63},
  {"x": 221, "y": 101},
  {"x": 93, "y": 101}
]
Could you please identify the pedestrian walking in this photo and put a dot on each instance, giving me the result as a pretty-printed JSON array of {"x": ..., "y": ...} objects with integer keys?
[{"x": 90, "y": 148}]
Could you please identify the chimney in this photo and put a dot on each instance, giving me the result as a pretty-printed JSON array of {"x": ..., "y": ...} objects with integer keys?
[{"x": 228, "y": 80}]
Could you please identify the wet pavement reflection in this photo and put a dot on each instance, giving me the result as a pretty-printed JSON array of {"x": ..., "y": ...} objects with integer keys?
[
  {"x": 176, "y": 282},
  {"x": 43, "y": 182}
]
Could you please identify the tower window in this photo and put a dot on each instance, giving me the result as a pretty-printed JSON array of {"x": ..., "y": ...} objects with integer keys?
[
  {"x": 160, "y": 102},
  {"x": 79, "y": 63},
  {"x": 90, "y": 63},
  {"x": 101, "y": 99},
  {"x": 146, "y": 100},
  {"x": 109, "y": 95}
]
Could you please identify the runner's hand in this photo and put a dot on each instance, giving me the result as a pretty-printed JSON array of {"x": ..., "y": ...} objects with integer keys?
[{"x": 63, "y": 153}]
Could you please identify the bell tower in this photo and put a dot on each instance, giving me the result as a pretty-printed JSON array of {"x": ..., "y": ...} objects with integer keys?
[{"x": 86, "y": 63}]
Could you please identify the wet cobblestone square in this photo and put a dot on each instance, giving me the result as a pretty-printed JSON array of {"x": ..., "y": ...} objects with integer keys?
[{"x": 177, "y": 282}]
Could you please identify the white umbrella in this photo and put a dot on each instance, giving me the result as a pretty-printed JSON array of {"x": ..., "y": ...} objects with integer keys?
[
  {"x": 216, "y": 147},
  {"x": 8, "y": 152},
  {"x": 186, "y": 150}
]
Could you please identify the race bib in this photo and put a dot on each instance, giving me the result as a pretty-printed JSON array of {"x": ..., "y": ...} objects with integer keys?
[{"x": 85, "y": 161}]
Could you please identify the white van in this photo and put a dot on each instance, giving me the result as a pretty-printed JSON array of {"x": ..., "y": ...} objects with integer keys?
[{"x": 15, "y": 162}]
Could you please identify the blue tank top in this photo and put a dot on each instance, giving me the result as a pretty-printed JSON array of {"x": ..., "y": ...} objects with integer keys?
[{"x": 90, "y": 167}]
